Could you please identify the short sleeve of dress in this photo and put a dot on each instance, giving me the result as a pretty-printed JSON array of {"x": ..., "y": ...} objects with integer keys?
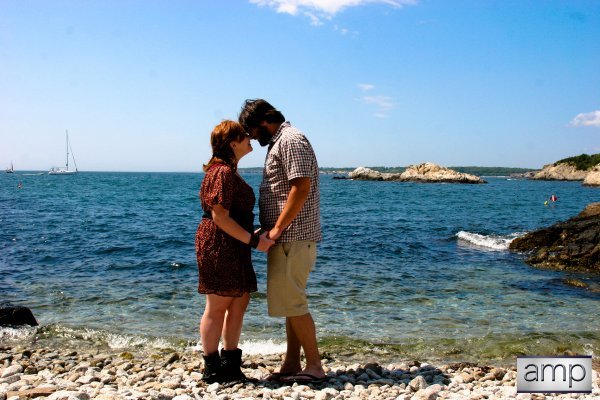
[
  {"x": 221, "y": 187},
  {"x": 298, "y": 156}
]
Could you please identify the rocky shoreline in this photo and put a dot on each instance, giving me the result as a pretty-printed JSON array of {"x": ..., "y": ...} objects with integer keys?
[
  {"x": 572, "y": 245},
  {"x": 68, "y": 374}
]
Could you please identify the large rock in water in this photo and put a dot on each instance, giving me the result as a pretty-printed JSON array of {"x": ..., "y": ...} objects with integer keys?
[
  {"x": 429, "y": 172},
  {"x": 560, "y": 172},
  {"x": 16, "y": 315},
  {"x": 569, "y": 245},
  {"x": 365, "y": 174},
  {"x": 426, "y": 172},
  {"x": 593, "y": 177}
]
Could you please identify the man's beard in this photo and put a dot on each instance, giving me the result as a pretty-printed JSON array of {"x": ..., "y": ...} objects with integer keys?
[{"x": 264, "y": 136}]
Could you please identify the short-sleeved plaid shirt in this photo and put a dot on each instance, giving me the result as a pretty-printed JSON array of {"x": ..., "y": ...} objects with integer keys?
[{"x": 290, "y": 156}]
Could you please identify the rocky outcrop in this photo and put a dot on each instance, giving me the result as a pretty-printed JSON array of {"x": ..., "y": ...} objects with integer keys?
[
  {"x": 429, "y": 172},
  {"x": 426, "y": 172},
  {"x": 365, "y": 174},
  {"x": 16, "y": 316},
  {"x": 593, "y": 177},
  {"x": 560, "y": 172},
  {"x": 569, "y": 245},
  {"x": 524, "y": 175}
]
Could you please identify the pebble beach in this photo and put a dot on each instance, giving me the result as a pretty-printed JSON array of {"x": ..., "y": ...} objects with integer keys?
[{"x": 69, "y": 374}]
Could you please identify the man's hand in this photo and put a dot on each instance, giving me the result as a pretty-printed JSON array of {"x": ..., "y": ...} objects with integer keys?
[{"x": 274, "y": 233}]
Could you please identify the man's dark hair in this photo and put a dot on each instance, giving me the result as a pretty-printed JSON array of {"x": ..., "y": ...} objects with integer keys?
[{"x": 255, "y": 111}]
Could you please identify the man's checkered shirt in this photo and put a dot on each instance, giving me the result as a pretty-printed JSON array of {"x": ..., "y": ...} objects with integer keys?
[{"x": 290, "y": 156}]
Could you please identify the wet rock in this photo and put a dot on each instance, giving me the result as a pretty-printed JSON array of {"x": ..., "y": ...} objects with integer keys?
[
  {"x": 575, "y": 283},
  {"x": 570, "y": 245},
  {"x": 16, "y": 316}
]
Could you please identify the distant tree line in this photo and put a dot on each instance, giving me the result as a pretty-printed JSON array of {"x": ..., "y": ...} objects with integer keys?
[
  {"x": 582, "y": 162},
  {"x": 477, "y": 171},
  {"x": 492, "y": 171}
]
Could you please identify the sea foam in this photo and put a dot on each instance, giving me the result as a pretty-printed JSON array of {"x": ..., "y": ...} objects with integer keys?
[
  {"x": 489, "y": 242},
  {"x": 255, "y": 347},
  {"x": 16, "y": 334}
]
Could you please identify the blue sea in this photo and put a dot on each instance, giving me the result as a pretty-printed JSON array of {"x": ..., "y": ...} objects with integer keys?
[{"x": 405, "y": 270}]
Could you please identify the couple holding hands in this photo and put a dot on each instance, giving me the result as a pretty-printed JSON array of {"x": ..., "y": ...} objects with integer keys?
[{"x": 290, "y": 230}]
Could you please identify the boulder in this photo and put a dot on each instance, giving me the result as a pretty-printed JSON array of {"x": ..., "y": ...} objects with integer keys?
[
  {"x": 16, "y": 316},
  {"x": 593, "y": 177},
  {"x": 429, "y": 172},
  {"x": 367, "y": 174},
  {"x": 560, "y": 172},
  {"x": 570, "y": 245}
]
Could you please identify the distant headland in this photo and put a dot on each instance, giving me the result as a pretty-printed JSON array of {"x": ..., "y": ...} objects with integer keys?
[{"x": 583, "y": 167}]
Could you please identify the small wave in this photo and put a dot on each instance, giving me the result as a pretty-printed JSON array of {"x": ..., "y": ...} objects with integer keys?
[
  {"x": 112, "y": 340},
  {"x": 491, "y": 242},
  {"x": 254, "y": 347},
  {"x": 8, "y": 334}
]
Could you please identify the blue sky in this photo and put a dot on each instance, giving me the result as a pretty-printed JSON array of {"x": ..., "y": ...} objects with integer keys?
[{"x": 140, "y": 84}]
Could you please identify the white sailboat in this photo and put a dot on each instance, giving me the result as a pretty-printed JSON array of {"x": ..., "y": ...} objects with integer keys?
[
  {"x": 65, "y": 170},
  {"x": 10, "y": 170}
]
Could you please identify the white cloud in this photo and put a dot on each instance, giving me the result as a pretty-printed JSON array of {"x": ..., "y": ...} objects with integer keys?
[
  {"x": 314, "y": 19},
  {"x": 343, "y": 31},
  {"x": 384, "y": 104},
  {"x": 317, "y": 9},
  {"x": 587, "y": 119},
  {"x": 365, "y": 87}
]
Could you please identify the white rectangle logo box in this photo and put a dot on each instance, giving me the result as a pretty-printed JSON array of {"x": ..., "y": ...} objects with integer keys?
[{"x": 568, "y": 374}]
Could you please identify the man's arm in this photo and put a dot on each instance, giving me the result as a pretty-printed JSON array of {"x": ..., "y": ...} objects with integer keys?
[{"x": 294, "y": 203}]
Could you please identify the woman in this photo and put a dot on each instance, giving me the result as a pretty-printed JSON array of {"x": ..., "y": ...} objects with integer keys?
[{"x": 223, "y": 242}]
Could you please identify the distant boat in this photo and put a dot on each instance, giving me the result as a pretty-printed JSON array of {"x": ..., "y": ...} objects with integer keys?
[
  {"x": 10, "y": 170},
  {"x": 65, "y": 170}
]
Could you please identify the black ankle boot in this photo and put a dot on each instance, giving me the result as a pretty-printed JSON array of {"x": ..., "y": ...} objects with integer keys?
[
  {"x": 212, "y": 368},
  {"x": 231, "y": 366}
]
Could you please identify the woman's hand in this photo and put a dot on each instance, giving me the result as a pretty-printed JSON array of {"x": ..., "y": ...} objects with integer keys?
[{"x": 264, "y": 244}]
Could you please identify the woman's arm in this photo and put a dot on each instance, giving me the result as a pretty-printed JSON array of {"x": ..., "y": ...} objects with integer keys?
[{"x": 220, "y": 216}]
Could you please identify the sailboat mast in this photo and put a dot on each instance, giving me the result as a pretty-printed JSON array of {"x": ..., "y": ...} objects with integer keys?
[
  {"x": 73, "y": 155},
  {"x": 67, "y": 150}
]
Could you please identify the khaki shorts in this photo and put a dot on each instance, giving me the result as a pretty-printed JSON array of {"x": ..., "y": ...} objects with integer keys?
[{"x": 288, "y": 267}]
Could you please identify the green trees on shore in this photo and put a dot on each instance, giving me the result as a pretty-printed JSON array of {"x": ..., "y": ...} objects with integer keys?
[{"x": 582, "y": 162}]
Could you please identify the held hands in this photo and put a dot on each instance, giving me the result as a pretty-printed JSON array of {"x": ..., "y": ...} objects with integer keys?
[{"x": 264, "y": 243}]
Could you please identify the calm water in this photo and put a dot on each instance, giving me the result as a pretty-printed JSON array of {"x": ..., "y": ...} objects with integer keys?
[{"x": 404, "y": 270}]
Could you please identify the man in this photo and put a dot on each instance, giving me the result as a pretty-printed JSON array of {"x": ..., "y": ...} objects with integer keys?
[{"x": 289, "y": 211}]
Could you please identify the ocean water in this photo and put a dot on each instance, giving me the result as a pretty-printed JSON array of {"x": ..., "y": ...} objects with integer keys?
[{"x": 405, "y": 270}]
